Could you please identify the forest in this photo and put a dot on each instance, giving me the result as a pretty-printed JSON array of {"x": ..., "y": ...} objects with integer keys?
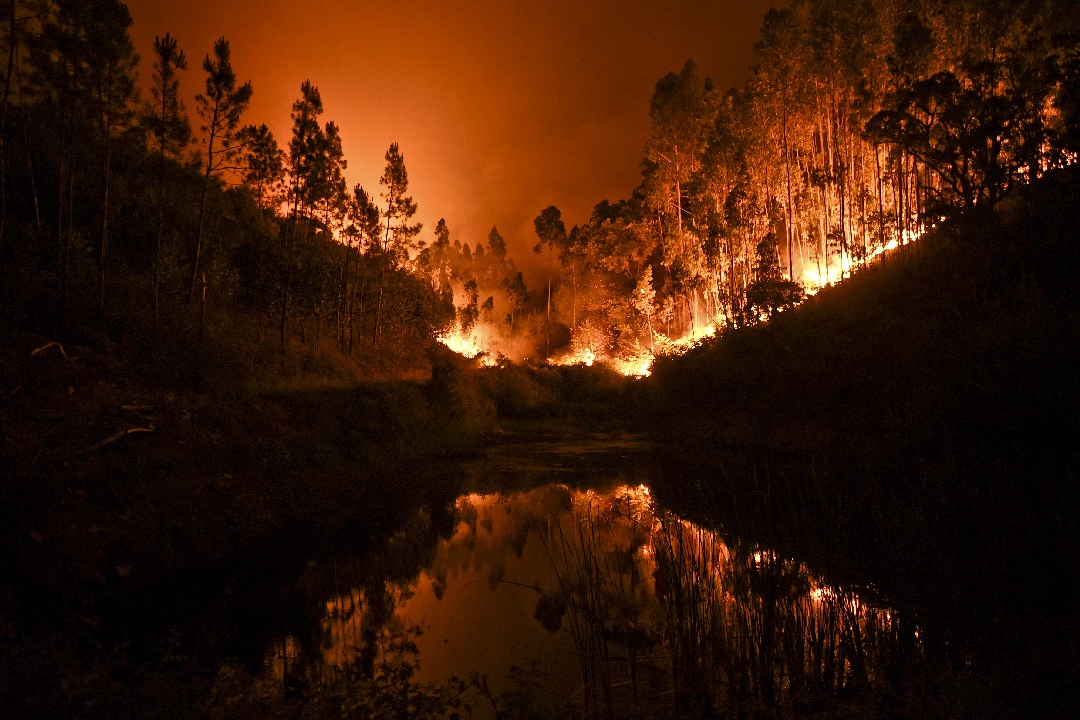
[
  {"x": 130, "y": 223},
  {"x": 860, "y": 127},
  {"x": 125, "y": 217},
  {"x": 252, "y": 415}
]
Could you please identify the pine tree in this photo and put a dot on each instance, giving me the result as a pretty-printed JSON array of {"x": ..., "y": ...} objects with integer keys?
[
  {"x": 220, "y": 108},
  {"x": 171, "y": 133},
  {"x": 398, "y": 239},
  {"x": 262, "y": 163},
  {"x": 301, "y": 160},
  {"x": 400, "y": 208}
]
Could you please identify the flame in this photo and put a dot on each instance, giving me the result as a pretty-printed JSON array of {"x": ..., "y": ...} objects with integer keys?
[
  {"x": 461, "y": 344},
  {"x": 581, "y": 356},
  {"x": 639, "y": 364},
  {"x": 468, "y": 346},
  {"x": 813, "y": 280},
  {"x": 688, "y": 341}
]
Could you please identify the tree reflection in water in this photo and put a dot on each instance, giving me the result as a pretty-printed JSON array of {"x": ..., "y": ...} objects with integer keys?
[
  {"x": 730, "y": 626},
  {"x": 659, "y": 617}
]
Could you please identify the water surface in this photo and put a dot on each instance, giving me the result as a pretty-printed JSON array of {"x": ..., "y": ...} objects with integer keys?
[{"x": 573, "y": 592}]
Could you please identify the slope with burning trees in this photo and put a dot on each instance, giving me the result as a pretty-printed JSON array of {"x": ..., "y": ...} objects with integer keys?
[
  {"x": 859, "y": 128},
  {"x": 914, "y": 430}
]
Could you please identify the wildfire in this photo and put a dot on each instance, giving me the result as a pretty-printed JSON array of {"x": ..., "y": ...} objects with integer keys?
[
  {"x": 640, "y": 364},
  {"x": 582, "y": 356},
  {"x": 692, "y": 339},
  {"x": 813, "y": 280},
  {"x": 461, "y": 344},
  {"x": 468, "y": 346},
  {"x": 635, "y": 366}
]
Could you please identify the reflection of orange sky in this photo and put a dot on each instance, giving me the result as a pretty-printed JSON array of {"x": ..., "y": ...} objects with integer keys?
[
  {"x": 476, "y": 599},
  {"x": 480, "y": 624},
  {"x": 500, "y": 108}
]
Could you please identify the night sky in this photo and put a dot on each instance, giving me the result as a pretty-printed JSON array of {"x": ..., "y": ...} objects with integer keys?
[{"x": 500, "y": 108}]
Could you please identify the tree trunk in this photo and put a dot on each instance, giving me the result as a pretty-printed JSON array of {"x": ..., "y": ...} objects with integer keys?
[
  {"x": 288, "y": 268},
  {"x": 3, "y": 126},
  {"x": 161, "y": 215},
  {"x": 29, "y": 159},
  {"x": 202, "y": 310},
  {"x": 157, "y": 246},
  {"x": 548, "y": 328},
  {"x": 573, "y": 269},
  {"x": 202, "y": 199},
  {"x": 103, "y": 268},
  {"x": 787, "y": 178},
  {"x": 378, "y": 314},
  {"x": 881, "y": 205}
]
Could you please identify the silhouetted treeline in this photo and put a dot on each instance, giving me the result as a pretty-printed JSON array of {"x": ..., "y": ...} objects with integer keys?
[
  {"x": 125, "y": 218},
  {"x": 861, "y": 125}
]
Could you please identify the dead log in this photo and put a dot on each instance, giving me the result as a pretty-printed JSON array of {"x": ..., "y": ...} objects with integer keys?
[
  {"x": 120, "y": 435},
  {"x": 49, "y": 345}
]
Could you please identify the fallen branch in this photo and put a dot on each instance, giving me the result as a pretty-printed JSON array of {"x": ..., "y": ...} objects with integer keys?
[
  {"x": 118, "y": 436},
  {"x": 52, "y": 344}
]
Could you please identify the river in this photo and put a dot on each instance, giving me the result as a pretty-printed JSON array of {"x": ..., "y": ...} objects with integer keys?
[{"x": 557, "y": 585}]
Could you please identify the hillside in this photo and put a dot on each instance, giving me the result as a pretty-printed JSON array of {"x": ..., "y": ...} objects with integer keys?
[{"x": 913, "y": 431}]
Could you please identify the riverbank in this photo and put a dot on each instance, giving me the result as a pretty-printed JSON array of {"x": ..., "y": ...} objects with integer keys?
[{"x": 149, "y": 527}]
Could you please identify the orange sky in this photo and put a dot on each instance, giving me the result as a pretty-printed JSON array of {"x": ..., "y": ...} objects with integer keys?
[{"x": 500, "y": 108}]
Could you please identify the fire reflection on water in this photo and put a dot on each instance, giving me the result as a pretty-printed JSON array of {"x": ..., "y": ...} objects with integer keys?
[{"x": 615, "y": 604}]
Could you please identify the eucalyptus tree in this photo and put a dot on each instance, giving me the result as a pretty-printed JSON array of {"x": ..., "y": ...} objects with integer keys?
[
  {"x": 25, "y": 34},
  {"x": 516, "y": 294},
  {"x": 220, "y": 108},
  {"x": 470, "y": 311},
  {"x": 15, "y": 37},
  {"x": 437, "y": 258},
  {"x": 365, "y": 217},
  {"x": 496, "y": 243},
  {"x": 326, "y": 183},
  {"x": 552, "y": 233},
  {"x": 59, "y": 57},
  {"x": 82, "y": 80},
  {"x": 327, "y": 197},
  {"x": 710, "y": 189},
  {"x": 779, "y": 76},
  {"x": 681, "y": 107}
]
